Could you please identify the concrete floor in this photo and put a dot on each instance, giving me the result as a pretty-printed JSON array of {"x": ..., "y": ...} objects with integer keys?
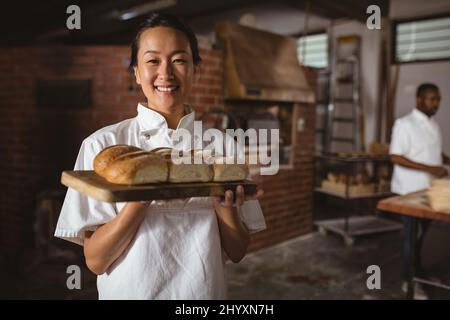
[
  {"x": 308, "y": 267},
  {"x": 318, "y": 267}
]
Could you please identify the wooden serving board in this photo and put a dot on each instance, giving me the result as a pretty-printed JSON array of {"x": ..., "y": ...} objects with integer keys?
[{"x": 92, "y": 185}]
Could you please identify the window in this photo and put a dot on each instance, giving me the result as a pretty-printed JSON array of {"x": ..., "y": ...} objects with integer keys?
[
  {"x": 312, "y": 50},
  {"x": 422, "y": 40}
]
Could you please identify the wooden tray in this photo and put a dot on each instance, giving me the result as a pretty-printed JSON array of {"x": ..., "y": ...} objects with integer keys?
[{"x": 92, "y": 185}]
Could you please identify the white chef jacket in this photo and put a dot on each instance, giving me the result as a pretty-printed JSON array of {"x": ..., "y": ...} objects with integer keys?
[
  {"x": 418, "y": 138},
  {"x": 176, "y": 253}
]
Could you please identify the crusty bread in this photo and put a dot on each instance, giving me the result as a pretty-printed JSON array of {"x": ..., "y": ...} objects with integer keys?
[
  {"x": 190, "y": 172},
  {"x": 109, "y": 154},
  {"x": 228, "y": 172},
  {"x": 138, "y": 167},
  {"x": 179, "y": 173},
  {"x": 130, "y": 165},
  {"x": 164, "y": 152},
  {"x": 439, "y": 195}
]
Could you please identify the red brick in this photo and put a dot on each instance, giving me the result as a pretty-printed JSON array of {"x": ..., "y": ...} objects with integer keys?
[
  {"x": 198, "y": 90},
  {"x": 216, "y": 53},
  {"x": 206, "y": 100},
  {"x": 208, "y": 63}
]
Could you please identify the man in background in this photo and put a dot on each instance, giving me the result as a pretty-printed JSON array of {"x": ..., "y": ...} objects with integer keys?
[{"x": 416, "y": 151}]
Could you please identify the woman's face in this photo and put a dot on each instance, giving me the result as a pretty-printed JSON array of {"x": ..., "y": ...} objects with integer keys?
[{"x": 165, "y": 68}]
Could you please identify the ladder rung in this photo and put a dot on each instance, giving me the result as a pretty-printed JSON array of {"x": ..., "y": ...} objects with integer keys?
[
  {"x": 344, "y": 80},
  {"x": 343, "y": 100},
  {"x": 346, "y": 61},
  {"x": 349, "y": 140},
  {"x": 342, "y": 119}
]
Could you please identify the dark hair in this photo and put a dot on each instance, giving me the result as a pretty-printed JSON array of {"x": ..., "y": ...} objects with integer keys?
[
  {"x": 165, "y": 20},
  {"x": 425, "y": 87}
]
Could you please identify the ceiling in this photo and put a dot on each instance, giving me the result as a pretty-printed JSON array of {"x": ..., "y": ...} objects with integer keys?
[{"x": 44, "y": 22}]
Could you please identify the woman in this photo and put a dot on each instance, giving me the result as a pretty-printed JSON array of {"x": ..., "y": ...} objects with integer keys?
[{"x": 158, "y": 250}]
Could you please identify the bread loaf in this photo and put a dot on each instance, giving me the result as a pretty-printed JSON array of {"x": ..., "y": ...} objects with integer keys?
[
  {"x": 138, "y": 167},
  {"x": 109, "y": 154},
  {"x": 185, "y": 172},
  {"x": 164, "y": 152},
  {"x": 439, "y": 195},
  {"x": 228, "y": 172},
  {"x": 124, "y": 164}
]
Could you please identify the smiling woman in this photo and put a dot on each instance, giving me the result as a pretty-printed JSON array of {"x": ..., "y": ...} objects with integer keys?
[
  {"x": 165, "y": 75},
  {"x": 165, "y": 57},
  {"x": 158, "y": 250}
]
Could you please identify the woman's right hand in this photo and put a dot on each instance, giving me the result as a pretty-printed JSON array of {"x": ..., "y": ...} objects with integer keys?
[{"x": 103, "y": 246}]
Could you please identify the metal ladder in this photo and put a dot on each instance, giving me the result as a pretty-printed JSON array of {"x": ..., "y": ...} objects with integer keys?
[{"x": 345, "y": 110}]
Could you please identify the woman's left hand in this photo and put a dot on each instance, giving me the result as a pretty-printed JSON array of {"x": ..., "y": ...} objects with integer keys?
[{"x": 240, "y": 197}]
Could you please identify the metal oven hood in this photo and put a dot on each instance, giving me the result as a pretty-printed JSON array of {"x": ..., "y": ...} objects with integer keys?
[{"x": 262, "y": 66}]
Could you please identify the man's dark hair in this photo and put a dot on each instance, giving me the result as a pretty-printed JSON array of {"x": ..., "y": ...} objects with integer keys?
[
  {"x": 424, "y": 87},
  {"x": 165, "y": 20}
]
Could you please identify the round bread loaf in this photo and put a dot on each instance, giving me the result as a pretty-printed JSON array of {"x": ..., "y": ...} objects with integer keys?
[
  {"x": 138, "y": 167},
  {"x": 109, "y": 154}
]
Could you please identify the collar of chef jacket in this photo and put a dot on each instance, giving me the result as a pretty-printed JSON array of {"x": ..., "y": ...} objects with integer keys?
[
  {"x": 428, "y": 123},
  {"x": 154, "y": 129},
  {"x": 420, "y": 115}
]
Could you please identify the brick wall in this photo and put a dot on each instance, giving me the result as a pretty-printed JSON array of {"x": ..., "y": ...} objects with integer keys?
[
  {"x": 287, "y": 200},
  {"x": 37, "y": 144}
]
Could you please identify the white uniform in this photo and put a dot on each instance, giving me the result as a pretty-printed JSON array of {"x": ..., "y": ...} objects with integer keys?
[
  {"x": 176, "y": 253},
  {"x": 418, "y": 138}
]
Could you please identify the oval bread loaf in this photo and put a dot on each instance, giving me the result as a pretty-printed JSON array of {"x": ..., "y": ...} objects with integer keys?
[
  {"x": 186, "y": 172},
  {"x": 109, "y": 154},
  {"x": 138, "y": 167},
  {"x": 124, "y": 164},
  {"x": 228, "y": 172}
]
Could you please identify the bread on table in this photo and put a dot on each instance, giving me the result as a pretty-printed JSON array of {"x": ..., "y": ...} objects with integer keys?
[
  {"x": 439, "y": 195},
  {"x": 139, "y": 167},
  {"x": 109, "y": 154}
]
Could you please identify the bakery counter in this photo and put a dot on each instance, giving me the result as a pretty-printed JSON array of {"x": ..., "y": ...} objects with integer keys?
[{"x": 415, "y": 205}]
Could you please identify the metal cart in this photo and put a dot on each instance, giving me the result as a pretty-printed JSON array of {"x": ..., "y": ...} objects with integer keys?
[{"x": 352, "y": 225}]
